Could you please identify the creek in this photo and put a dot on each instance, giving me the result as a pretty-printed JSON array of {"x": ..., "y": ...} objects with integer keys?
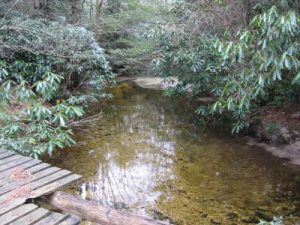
[{"x": 146, "y": 156}]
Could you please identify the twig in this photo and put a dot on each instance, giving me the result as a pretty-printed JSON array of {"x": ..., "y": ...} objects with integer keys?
[
  {"x": 85, "y": 120},
  {"x": 8, "y": 11}
]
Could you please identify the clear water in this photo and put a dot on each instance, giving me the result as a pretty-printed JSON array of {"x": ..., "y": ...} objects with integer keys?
[{"x": 145, "y": 156}]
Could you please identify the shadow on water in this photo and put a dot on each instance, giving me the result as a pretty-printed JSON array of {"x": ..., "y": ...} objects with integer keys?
[{"x": 145, "y": 156}]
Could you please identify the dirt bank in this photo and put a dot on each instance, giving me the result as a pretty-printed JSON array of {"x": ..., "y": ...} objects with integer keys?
[
  {"x": 290, "y": 152},
  {"x": 278, "y": 132}
]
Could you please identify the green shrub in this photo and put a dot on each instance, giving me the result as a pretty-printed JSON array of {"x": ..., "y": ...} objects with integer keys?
[
  {"x": 43, "y": 66},
  {"x": 259, "y": 64}
]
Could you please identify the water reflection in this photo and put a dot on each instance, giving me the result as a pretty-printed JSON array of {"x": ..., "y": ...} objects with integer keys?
[{"x": 145, "y": 156}]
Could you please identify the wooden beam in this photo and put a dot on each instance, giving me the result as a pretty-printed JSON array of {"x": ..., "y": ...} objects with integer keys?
[{"x": 96, "y": 213}]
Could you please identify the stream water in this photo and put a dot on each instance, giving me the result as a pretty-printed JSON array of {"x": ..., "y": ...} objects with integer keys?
[{"x": 145, "y": 156}]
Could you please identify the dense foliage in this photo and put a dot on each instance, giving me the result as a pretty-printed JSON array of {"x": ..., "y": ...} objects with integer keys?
[
  {"x": 49, "y": 50},
  {"x": 121, "y": 27},
  {"x": 44, "y": 64},
  {"x": 241, "y": 69}
]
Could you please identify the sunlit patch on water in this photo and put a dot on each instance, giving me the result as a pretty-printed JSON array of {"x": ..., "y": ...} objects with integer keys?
[
  {"x": 130, "y": 186},
  {"x": 146, "y": 157}
]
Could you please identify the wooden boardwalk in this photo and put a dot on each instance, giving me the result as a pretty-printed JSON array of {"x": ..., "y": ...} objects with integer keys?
[{"x": 23, "y": 178}]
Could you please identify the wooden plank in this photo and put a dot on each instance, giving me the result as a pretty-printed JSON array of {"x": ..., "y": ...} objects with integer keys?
[
  {"x": 71, "y": 220},
  {"x": 32, "y": 166},
  {"x": 17, "y": 213},
  {"x": 36, "y": 184},
  {"x": 14, "y": 163},
  {"x": 58, "y": 184},
  {"x": 43, "y": 179},
  {"x": 10, "y": 159},
  {"x": 52, "y": 219},
  {"x": 6, "y": 154},
  {"x": 10, "y": 205},
  {"x": 35, "y": 176},
  {"x": 49, "y": 179},
  {"x": 14, "y": 184},
  {"x": 2, "y": 151},
  {"x": 5, "y": 176},
  {"x": 32, "y": 217},
  {"x": 39, "y": 167},
  {"x": 4, "y": 171}
]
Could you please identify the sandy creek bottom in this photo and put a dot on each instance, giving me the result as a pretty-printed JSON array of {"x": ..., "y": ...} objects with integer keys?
[{"x": 145, "y": 156}]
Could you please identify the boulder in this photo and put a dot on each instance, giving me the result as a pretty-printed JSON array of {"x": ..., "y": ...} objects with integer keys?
[{"x": 156, "y": 83}]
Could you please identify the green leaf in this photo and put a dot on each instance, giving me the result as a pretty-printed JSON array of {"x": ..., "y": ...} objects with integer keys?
[{"x": 297, "y": 79}]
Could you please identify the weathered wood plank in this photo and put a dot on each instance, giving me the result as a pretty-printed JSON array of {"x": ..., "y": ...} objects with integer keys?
[
  {"x": 17, "y": 213},
  {"x": 6, "y": 206},
  {"x": 39, "y": 167},
  {"x": 52, "y": 219},
  {"x": 14, "y": 163},
  {"x": 10, "y": 159},
  {"x": 49, "y": 179},
  {"x": 34, "y": 185},
  {"x": 32, "y": 217},
  {"x": 6, "y": 154},
  {"x": 24, "y": 165},
  {"x": 2, "y": 151},
  {"x": 71, "y": 220},
  {"x": 58, "y": 184},
  {"x": 14, "y": 184},
  {"x": 32, "y": 166}
]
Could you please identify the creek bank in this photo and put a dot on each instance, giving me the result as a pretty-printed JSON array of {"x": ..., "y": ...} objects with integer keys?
[
  {"x": 289, "y": 152},
  {"x": 278, "y": 132}
]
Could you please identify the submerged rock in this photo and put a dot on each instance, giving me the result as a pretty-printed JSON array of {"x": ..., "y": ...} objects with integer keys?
[
  {"x": 232, "y": 215},
  {"x": 215, "y": 222},
  {"x": 158, "y": 215},
  {"x": 120, "y": 206},
  {"x": 263, "y": 215},
  {"x": 205, "y": 215},
  {"x": 251, "y": 219}
]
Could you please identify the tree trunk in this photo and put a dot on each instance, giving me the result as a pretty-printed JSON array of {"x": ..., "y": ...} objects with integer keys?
[
  {"x": 248, "y": 8},
  {"x": 96, "y": 213},
  {"x": 91, "y": 10},
  {"x": 41, "y": 5},
  {"x": 37, "y": 4},
  {"x": 74, "y": 11},
  {"x": 99, "y": 4}
]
